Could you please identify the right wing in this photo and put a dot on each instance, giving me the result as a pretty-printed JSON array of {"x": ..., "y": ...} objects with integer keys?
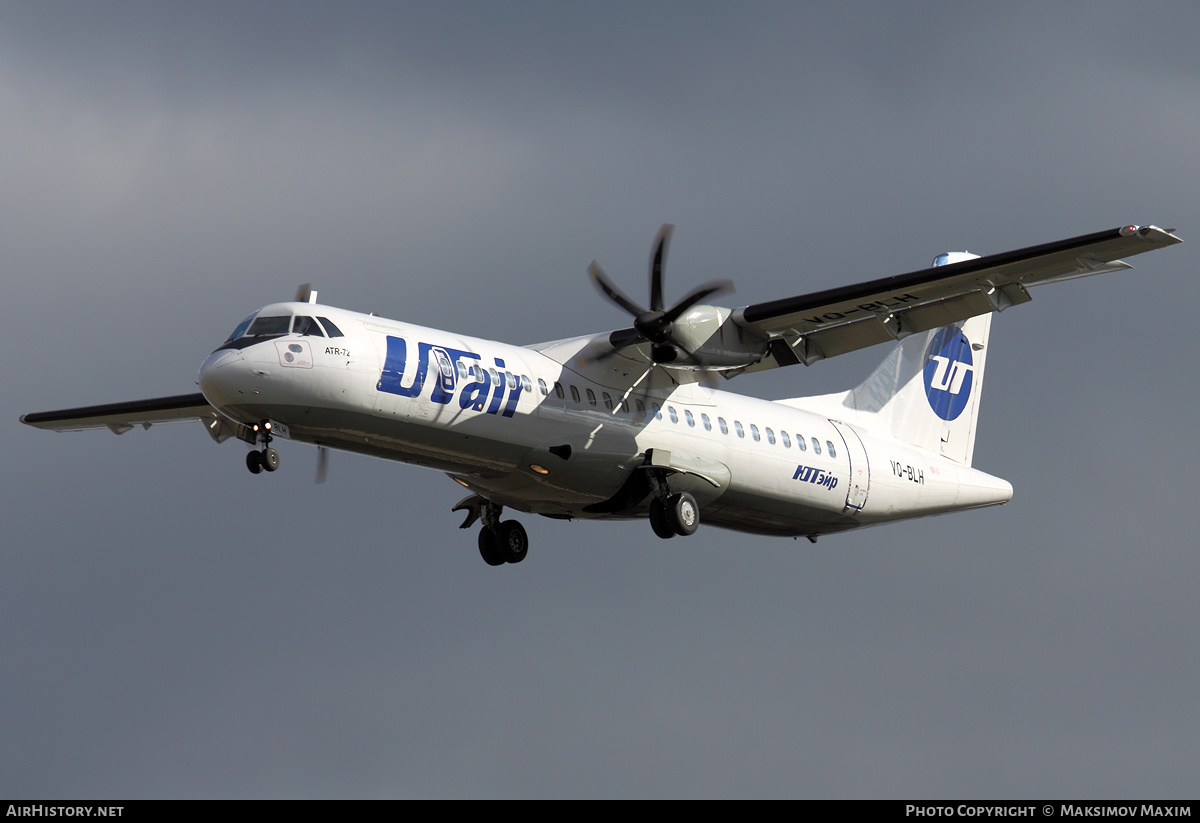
[
  {"x": 121, "y": 417},
  {"x": 823, "y": 324}
]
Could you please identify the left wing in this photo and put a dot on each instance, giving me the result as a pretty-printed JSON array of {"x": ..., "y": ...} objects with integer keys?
[
  {"x": 121, "y": 417},
  {"x": 823, "y": 324}
]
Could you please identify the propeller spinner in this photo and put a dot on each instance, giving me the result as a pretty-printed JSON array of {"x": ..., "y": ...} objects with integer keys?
[{"x": 656, "y": 324}]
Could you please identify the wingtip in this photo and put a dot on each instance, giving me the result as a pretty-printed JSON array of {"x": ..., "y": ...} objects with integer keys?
[{"x": 1147, "y": 231}]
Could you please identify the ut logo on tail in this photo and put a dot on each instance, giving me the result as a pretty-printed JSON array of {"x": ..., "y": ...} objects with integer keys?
[{"x": 948, "y": 372}]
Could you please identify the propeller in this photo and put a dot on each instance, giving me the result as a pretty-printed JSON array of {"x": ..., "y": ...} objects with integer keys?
[{"x": 656, "y": 324}]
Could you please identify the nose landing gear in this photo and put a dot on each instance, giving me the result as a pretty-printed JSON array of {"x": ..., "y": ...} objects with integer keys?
[{"x": 267, "y": 459}]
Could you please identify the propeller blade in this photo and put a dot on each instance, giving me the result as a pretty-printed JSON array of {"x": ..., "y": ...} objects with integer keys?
[
  {"x": 654, "y": 325},
  {"x": 322, "y": 463},
  {"x": 715, "y": 287},
  {"x": 625, "y": 337},
  {"x": 656, "y": 266},
  {"x": 618, "y": 340},
  {"x": 612, "y": 292}
]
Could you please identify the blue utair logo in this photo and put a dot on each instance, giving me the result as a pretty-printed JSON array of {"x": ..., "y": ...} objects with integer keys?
[
  {"x": 949, "y": 370},
  {"x": 808, "y": 474},
  {"x": 485, "y": 392}
]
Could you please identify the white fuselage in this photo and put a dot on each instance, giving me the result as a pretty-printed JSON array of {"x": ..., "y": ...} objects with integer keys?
[{"x": 550, "y": 432}]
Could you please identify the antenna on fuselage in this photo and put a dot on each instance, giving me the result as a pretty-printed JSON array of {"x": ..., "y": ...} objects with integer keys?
[
  {"x": 306, "y": 293},
  {"x": 322, "y": 463}
]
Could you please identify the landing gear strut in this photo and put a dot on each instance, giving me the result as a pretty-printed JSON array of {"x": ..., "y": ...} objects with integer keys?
[
  {"x": 501, "y": 542},
  {"x": 267, "y": 459}
]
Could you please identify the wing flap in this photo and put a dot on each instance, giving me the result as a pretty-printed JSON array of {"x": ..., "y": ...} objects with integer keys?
[
  {"x": 944, "y": 312},
  {"x": 847, "y": 337}
]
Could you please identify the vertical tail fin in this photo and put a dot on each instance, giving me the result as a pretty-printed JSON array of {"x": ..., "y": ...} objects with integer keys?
[{"x": 926, "y": 393}]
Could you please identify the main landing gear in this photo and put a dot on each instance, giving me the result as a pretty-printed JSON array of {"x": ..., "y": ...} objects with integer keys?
[
  {"x": 501, "y": 542},
  {"x": 267, "y": 459},
  {"x": 672, "y": 513}
]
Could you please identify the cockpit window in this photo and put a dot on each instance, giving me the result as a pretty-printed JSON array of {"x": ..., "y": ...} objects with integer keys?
[
  {"x": 332, "y": 330},
  {"x": 306, "y": 325},
  {"x": 269, "y": 325},
  {"x": 241, "y": 329}
]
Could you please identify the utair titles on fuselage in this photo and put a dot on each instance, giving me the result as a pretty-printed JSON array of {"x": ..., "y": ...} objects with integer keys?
[
  {"x": 473, "y": 395},
  {"x": 628, "y": 424}
]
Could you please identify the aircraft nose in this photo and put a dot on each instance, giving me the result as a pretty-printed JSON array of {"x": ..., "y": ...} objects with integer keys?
[{"x": 219, "y": 377}]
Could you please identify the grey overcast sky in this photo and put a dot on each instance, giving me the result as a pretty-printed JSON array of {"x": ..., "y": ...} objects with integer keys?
[{"x": 171, "y": 626}]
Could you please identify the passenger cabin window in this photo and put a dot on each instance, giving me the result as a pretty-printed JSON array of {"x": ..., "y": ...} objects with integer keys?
[
  {"x": 607, "y": 401},
  {"x": 754, "y": 433},
  {"x": 463, "y": 371},
  {"x": 641, "y": 408},
  {"x": 306, "y": 325},
  {"x": 591, "y": 397},
  {"x": 800, "y": 443},
  {"x": 770, "y": 436},
  {"x": 674, "y": 415},
  {"x": 558, "y": 391},
  {"x": 787, "y": 441},
  {"x": 574, "y": 393},
  {"x": 542, "y": 386},
  {"x": 707, "y": 423},
  {"x": 657, "y": 412},
  {"x": 816, "y": 446},
  {"x": 737, "y": 427},
  {"x": 512, "y": 381},
  {"x": 724, "y": 426},
  {"x": 331, "y": 329},
  {"x": 691, "y": 421},
  {"x": 829, "y": 447}
]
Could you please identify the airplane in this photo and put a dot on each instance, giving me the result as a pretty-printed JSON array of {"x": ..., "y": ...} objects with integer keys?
[{"x": 630, "y": 424}]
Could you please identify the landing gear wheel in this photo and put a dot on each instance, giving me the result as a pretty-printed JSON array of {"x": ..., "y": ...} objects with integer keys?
[
  {"x": 683, "y": 513},
  {"x": 269, "y": 459},
  {"x": 512, "y": 541},
  {"x": 488, "y": 549},
  {"x": 658, "y": 519},
  {"x": 254, "y": 462}
]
